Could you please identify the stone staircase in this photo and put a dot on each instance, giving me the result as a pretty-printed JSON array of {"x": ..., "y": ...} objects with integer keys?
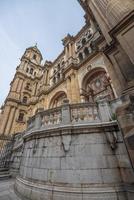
[{"x": 4, "y": 173}]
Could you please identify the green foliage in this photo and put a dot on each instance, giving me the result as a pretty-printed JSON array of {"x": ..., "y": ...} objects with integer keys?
[{"x": 113, "y": 116}]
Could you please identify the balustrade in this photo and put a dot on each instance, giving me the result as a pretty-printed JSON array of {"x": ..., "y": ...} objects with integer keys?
[
  {"x": 84, "y": 112},
  {"x": 66, "y": 114},
  {"x": 51, "y": 117},
  {"x": 71, "y": 114}
]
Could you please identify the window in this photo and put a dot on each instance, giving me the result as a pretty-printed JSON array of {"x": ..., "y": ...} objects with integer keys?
[
  {"x": 90, "y": 35},
  {"x": 31, "y": 71},
  {"x": 58, "y": 67},
  {"x": 63, "y": 63},
  {"x": 27, "y": 70},
  {"x": 28, "y": 86},
  {"x": 25, "y": 99},
  {"x": 21, "y": 117},
  {"x": 54, "y": 71},
  {"x": 83, "y": 41},
  {"x": 80, "y": 56},
  {"x": 54, "y": 80},
  {"x": 34, "y": 57},
  {"x": 58, "y": 76},
  {"x": 86, "y": 51},
  {"x": 34, "y": 73},
  {"x": 78, "y": 47}
]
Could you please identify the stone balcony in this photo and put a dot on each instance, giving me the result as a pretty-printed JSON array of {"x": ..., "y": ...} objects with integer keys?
[
  {"x": 72, "y": 115},
  {"x": 74, "y": 152}
]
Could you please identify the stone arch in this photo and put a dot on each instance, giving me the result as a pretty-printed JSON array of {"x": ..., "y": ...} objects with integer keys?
[
  {"x": 57, "y": 99},
  {"x": 96, "y": 84}
]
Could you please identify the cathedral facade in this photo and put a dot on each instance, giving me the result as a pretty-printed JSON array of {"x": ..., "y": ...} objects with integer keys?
[
  {"x": 77, "y": 109},
  {"x": 78, "y": 74}
]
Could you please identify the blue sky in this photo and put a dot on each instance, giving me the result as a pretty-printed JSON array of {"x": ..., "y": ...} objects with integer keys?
[{"x": 25, "y": 22}]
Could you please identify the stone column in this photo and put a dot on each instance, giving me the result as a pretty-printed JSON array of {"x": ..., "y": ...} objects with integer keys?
[
  {"x": 10, "y": 120},
  {"x": 69, "y": 91},
  {"x": 102, "y": 5},
  {"x": 5, "y": 119},
  {"x": 38, "y": 122},
  {"x": 114, "y": 10},
  {"x": 117, "y": 10},
  {"x": 104, "y": 110},
  {"x": 66, "y": 52},
  {"x": 70, "y": 50},
  {"x": 66, "y": 115},
  {"x": 12, "y": 130},
  {"x": 15, "y": 85},
  {"x": 100, "y": 18},
  {"x": 82, "y": 98},
  {"x": 75, "y": 88}
]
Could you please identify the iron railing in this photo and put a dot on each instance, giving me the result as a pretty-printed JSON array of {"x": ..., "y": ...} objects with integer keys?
[{"x": 6, "y": 145}]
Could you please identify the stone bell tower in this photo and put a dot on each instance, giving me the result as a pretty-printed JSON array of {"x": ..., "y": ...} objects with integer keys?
[{"x": 22, "y": 88}]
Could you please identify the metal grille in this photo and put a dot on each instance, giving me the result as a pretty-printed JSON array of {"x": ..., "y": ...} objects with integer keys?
[{"x": 6, "y": 145}]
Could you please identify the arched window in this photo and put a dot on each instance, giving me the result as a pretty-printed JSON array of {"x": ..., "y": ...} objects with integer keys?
[
  {"x": 54, "y": 71},
  {"x": 89, "y": 34},
  {"x": 80, "y": 56},
  {"x": 25, "y": 99},
  {"x": 27, "y": 69},
  {"x": 34, "y": 73},
  {"x": 54, "y": 80},
  {"x": 78, "y": 47},
  {"x": 31, "y": 71},
  {"x": 34, "y": 57},
  {"x": 58, "y": 76},
  {"x": 27, "y": 86},
  {"x": 21, "y": 117},
  {"x": 63, "y": 63},
  {"x": 86, "y": 51},
  {"x": 83, "y": 41},
  {"x": 58, "y": 67}
]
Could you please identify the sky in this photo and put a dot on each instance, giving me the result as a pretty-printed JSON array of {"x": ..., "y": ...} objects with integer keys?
[{"x": 23, "y": 23}]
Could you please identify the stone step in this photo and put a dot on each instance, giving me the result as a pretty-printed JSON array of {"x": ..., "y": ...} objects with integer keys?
[
  {"x": 3, "y": 169},
  {"x": 4, "y": 174}
]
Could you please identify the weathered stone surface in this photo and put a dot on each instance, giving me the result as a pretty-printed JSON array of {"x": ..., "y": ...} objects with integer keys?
[{"x": 87, "y": 159}]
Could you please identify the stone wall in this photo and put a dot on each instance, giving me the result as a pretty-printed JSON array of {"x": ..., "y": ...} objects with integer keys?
[
  {"x": 16, "y": 156},
  {"x": 79, "y": 162}
]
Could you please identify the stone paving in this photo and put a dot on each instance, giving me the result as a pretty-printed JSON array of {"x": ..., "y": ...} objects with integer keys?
[{"x": 7, "y": 190}]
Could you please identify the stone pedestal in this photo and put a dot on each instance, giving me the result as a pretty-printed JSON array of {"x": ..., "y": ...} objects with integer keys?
[
  {"x": 104, "y": 110},
  {"x": 37, "y": 121},
  {"x": 66, "y": 117},
  {"x": 125, "y": 115}
]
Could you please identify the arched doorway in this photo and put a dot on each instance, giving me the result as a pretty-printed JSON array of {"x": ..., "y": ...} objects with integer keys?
[
  {"x": 97, "y": 85},
  {"x": 57, "y": 100}
]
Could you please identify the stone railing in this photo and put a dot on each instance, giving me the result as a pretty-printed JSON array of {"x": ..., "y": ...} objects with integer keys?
[
  {"x": 66, "y": 114},
  {"x": 51, "y": 117},
  {"x": 71, "y": 114},
  {"x": 84, "y": 112}
]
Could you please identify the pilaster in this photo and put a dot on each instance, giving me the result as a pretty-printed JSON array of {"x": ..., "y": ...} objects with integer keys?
[{"x": 5, "y": 119}]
